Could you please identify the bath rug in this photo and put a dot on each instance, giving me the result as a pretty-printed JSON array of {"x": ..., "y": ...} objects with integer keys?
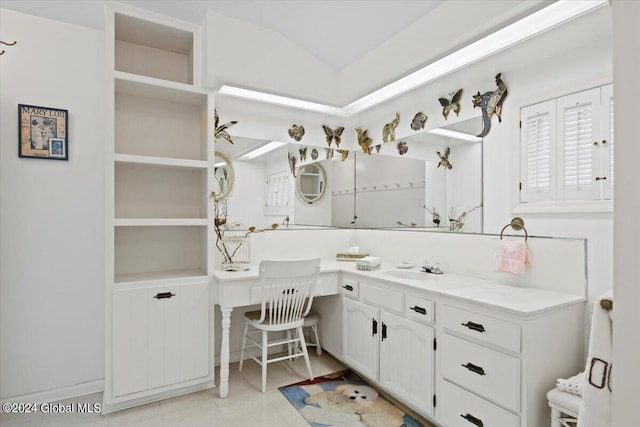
[{"x": 343, "y": 399}]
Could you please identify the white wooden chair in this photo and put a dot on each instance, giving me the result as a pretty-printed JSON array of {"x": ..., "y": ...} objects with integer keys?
[{"x": 287, "y": 293}]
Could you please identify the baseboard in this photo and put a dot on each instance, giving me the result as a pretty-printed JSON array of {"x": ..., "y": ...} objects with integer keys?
[
  {"x": 108, "y": 408},
  {"x": 59, "y": 393}
]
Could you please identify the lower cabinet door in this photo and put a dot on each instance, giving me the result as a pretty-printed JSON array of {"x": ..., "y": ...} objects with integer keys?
[
  {"x": 360, "y": 337},
  {"x": 459, "y": 408},
  {"x": 406, "y": 360},
  {"x": 160, "y": 336}
]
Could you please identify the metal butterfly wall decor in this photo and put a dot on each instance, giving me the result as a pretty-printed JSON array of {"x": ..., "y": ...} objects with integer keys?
[
  {"x": 329, "y": 153},
  {"x": 444, "y": 159},
  {"x": 344, "y": 154},
  {"x": 419, "y": 120},
  {"x": 364, "y": 141},
  {"x": 333, "y": 134},
  {"x": 314, "y": 154},
  {"x": 490, "y": 103},
  {"x": 292, "y": 164},
  {"x": 451, "y": 103},
  {"x": 221, "y": 131},
  {"x": 402, "y": 148},
  {"x": 303, "y": 154},
  {"x": 389, "y": 130},
  {"x": 296, "y": 132}
]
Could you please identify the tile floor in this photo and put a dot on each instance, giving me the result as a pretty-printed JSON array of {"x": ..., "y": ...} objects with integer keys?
[{"x": 245, "y": 406}]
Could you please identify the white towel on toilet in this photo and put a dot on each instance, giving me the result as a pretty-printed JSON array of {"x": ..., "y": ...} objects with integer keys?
[{"x": 595, "y": 410}]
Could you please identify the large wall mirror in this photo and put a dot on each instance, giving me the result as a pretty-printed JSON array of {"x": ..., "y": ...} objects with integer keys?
[
  {"x": 352, "y": 189},
  {"x": 223, "y": 174},
  {"x": 311, "y": 182}
]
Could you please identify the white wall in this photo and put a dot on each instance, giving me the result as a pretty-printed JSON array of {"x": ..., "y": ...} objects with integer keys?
[
  {"x": 450, "y": 26},
  {"x": 52, "y": 222},
  {"x": 249, "y": 56},
  {"x": 626, "y": 334}
]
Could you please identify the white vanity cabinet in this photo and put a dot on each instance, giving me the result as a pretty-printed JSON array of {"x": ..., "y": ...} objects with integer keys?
[
  {"x": 383, "y": 344},
  {"x": 496, "y": 367},
  {"x": 160, "y": 336}
]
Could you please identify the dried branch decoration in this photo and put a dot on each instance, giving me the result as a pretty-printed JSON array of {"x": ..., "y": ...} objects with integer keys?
[{"x": 221, "y": 131}]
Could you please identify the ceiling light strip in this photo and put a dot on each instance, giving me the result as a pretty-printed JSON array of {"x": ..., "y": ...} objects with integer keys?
[
  {"x": 264, "y": 149},
  {"x": 280, "y": 100},
  {"x": 527, "y": 27},
  {"x": 455, "y": 135}
]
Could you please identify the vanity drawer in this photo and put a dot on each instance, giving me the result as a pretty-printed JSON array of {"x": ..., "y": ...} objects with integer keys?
[
  {"x": 489, "y": 373},
  {"x": 419, "y": 308},
  {"x": 484, "y": 328},
  {"x": 382, "y": 297},
  {"x": 350, "y": 288},
  {"x": 459, "y": 408}
]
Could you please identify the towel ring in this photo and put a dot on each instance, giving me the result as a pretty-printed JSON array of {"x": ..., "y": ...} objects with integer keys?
[{"x": 517, "y": 224}]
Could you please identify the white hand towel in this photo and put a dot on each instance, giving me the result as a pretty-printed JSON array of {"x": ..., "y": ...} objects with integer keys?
[{"x": 595, "y": 410}]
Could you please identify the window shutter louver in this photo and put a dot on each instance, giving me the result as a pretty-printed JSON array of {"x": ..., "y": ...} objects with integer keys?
[
  {"x": 538, "y": 147},
  {"x": 579, "y": 153}
]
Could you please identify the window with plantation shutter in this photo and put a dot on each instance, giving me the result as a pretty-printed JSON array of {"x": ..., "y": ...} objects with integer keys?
[
  {"x": 567, "y": 148},
  {"x": 538, "y": 139},
  {"x": 579, "y": 133}
]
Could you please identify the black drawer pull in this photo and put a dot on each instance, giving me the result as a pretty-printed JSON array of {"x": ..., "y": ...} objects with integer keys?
[
  {"x": 374, "y": 326},
  {"x": 384, "y": 331},
  {"x": 420, "y": 310},
  {"x": 473, "y": 368},
  {"x": 163, "y": 295},
  {"x": 473, "y": 420},
  {"x": 474, "y": 326},
  {"x": 348, "y": 287}
]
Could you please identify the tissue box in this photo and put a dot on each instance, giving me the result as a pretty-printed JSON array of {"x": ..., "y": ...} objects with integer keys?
[{"x": 368, "y": 263}]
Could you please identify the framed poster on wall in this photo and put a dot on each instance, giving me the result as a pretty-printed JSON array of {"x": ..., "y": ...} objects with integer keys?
[{"x": 43, "y": 132}]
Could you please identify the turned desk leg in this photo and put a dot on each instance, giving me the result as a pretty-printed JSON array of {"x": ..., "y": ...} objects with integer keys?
[{"x": 224, "y": 351}]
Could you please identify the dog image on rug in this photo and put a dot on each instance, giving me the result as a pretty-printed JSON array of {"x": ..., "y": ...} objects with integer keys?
[
  {"x": 350, "y": 403},
  {"x": 351, "y": 399}
]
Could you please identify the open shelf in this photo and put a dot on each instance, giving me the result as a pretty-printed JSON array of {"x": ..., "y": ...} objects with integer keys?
[
  {"x": 159, "y": 222},
  {"x": 160, "y": 128},
  {"x": 150, "y": 87},
  {"x": 160, "y": 161},
  {"x": 155, "y": 50},
  {"x": 151, "y": 191},
  {"x": 159, "y": 276},
  {"x": 149, "y": 251}
]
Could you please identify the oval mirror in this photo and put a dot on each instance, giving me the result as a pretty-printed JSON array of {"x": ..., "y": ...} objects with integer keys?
[
  {"x": 223, "y": 177},
  {"x": 310, "y": 183}
]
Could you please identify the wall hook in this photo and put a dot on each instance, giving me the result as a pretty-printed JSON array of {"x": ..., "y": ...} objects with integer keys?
[{"x": 7, "y": 44}]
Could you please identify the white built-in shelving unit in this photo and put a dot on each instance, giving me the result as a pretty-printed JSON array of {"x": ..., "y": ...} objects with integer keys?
[{"x": 159, "y": 163}]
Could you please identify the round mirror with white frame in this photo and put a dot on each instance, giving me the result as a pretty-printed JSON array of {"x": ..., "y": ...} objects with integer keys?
[
  {"x": 311, "y": 181},
  {"x": 223, "y": 176}
]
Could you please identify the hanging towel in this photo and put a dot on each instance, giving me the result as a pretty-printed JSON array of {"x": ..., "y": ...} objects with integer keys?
[
  {"x": 595, "y": 410},
  {"x": 512, "y": 256}
]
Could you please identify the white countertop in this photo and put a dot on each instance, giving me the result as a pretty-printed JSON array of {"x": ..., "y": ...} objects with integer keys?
[{"x": 466, "y": 289}]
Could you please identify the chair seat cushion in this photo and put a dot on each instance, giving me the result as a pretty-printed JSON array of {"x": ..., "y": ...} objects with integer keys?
[{"x": 568, "y": 401}]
